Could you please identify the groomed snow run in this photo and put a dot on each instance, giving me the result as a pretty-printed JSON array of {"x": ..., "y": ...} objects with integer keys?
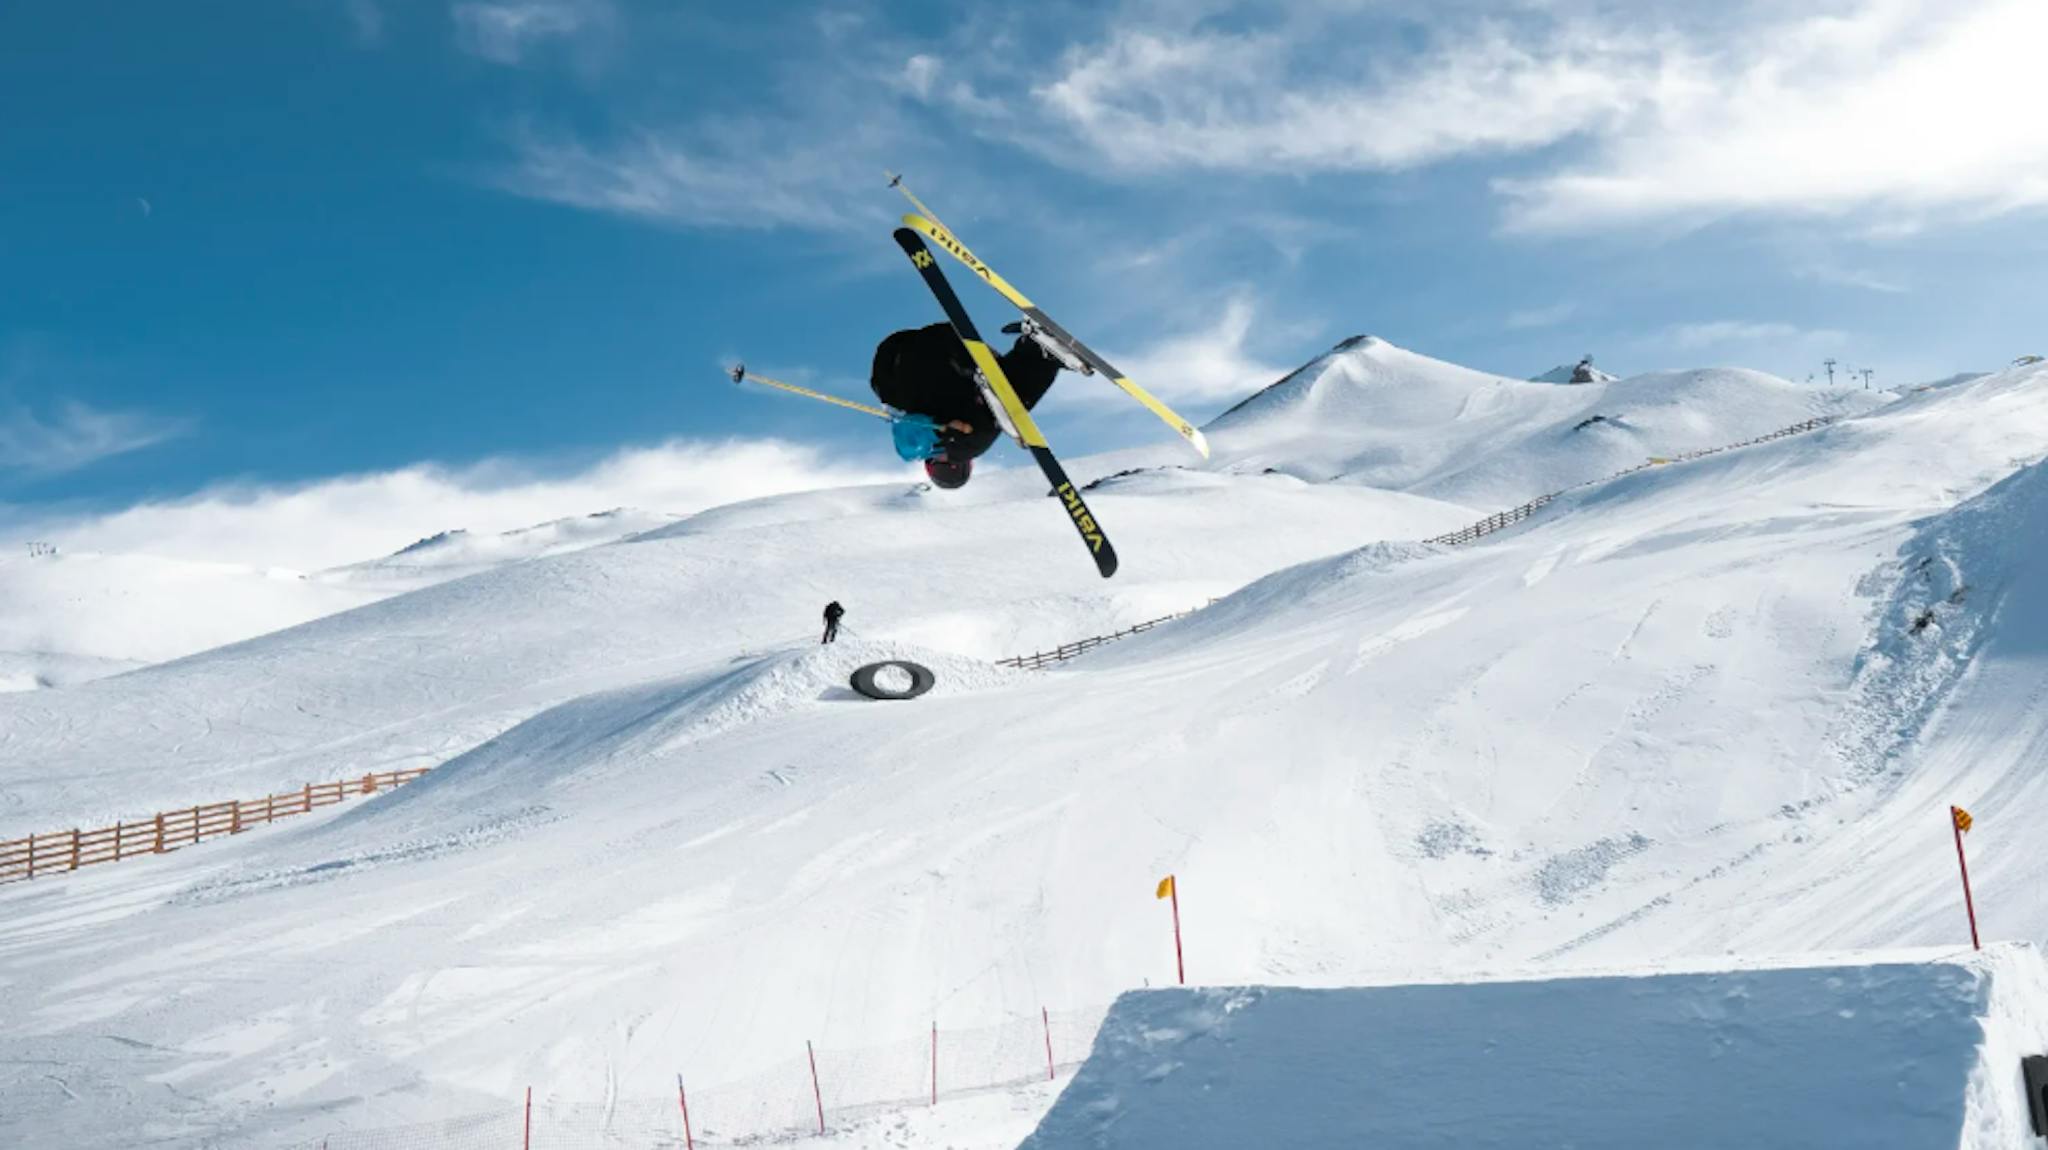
[
  {"x": 1709, "y": 709},
  {"x": 1878, "y": 1052}
]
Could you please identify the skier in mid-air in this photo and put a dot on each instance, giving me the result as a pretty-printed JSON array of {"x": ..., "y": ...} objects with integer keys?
[{"x": 926, "y": 374}]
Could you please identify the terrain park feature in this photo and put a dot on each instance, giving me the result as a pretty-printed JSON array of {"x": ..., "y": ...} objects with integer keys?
[{"x": 867, "y": 681}]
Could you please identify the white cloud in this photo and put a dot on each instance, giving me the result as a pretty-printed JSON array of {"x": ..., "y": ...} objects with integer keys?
[
  {"x": 919, "y": 73},
  {"x": 1199, "y": 366},
  {"x": 695, "y": 182},
  {"x": 76, "y": 436},
  {"x": 1901, "y": 107},
  {"x": 1537, "y": 317},
  {"x": 506, "y": 31},
  {"x": 1631, "y": 113},
  {"x": 1147, "y": 100},
  {"x": 1717, "y": 333},
  {"x": 366, "y": 18},
  {"x": 356, "y": 517},
  {"x": 1850, "y": 277}
]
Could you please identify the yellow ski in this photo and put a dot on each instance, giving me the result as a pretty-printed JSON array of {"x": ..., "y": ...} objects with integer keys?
[
  {"x": 1092, "y": 534},
  {"x": 937, "y": 233}
]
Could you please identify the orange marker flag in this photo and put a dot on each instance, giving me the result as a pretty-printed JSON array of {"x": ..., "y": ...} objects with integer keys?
[
  {"x": 1168, "y": 889},
  {"x": 1960, "y": 819}
]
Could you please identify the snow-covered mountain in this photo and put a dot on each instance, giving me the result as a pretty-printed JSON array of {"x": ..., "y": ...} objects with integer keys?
[
  {"x": 455, "y": 553},
  {"x": 1570, "y": 373},
  {"x": 67, "y": 618},
  {"x": 1371, "y": 413},
  {"x": 1719, "y": 706}
]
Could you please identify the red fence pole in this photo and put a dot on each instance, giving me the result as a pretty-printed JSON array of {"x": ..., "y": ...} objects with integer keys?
[
  {"x": 1956, "y": 819},
  {"x": 1046, "y": 1018},
  {"x": 682, "y": 1099},
  {"x": 526, "y": 1139},
  {"x": 817, "y": 1095}
]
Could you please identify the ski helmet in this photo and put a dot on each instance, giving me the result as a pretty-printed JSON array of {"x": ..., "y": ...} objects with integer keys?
[{"x": 948, "y": 473}]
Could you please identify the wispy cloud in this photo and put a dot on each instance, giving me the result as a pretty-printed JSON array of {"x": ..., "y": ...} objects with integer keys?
[
  {"x": 1897, "y": 107},
  {"x": 1850, "y": 277},
  {"x": 1538, "y": 317},
  {"x": 366, "y": 18},
  {"x": 508, "y": 31},
  {"x": 920, "y": 72},
  {"x": 744, "y": 175},
  {"x": 1628, "y": 114},
  {"x": 787, "y": 163},
  {"x": 356, "y": 517},
  {"x": 1204, "y": 364},
  {"x": 1722, "y": 333},
  {"x": 77, "y": 435},
  {"x": 1147, "y": 100}
]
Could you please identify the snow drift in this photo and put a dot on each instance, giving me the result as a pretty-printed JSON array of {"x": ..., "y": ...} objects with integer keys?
[{"x": 1885, "y": 1053}]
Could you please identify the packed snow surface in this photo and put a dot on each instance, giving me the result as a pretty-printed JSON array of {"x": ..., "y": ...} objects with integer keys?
[
  {"x": 1717, "y": 706},
  {"x": 1896, "y": 1053},
  {"x": 69, "y": 617},
  {"x": 455, "y": 553}
]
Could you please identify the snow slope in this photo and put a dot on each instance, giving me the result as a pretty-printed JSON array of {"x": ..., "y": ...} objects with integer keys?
[
  {"x": 1684, "y": 712},
  {"x": 1894, "y": 1051},
  {"x": 457, "y": 553},
  {"x": 1372, "y": 413},
  {"x": 68, "y": 618},
  {"x": 416, "y": 679}
]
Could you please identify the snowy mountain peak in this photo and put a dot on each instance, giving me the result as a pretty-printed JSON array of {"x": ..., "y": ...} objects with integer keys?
[
  {"x": 1582, "y": 372},
  {"x": 437, "y": 539},
  {"x": 1370, "y": 412}
]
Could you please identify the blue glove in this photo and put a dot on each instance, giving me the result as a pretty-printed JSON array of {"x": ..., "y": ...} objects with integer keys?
[{"x": 917, "y": 437}]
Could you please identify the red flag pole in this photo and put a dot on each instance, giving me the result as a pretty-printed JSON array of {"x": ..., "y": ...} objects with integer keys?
[
  {"x": 682, "y": 1099},
  {"x": 527, "y": 1139},
  {"x": 816, "y": 1094},
  {"x": 1955, "y": 823},
  {"x": 935, "y": 1062},
  {"x": 1045, "y": 1016},
  {"x": 1179, "y": 965}
]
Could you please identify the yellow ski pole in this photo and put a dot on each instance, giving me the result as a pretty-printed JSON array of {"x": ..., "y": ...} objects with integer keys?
[
  {"x": 740, "y": 374},
  {"x": 896, "y": 181}
]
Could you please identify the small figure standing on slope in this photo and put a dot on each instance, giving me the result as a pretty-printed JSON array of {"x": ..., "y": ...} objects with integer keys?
[
  {"x": 926, "y": 374},
  {"x": 833, "y": 613}
]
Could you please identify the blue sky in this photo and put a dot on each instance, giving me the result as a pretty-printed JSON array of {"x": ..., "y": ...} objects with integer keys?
[{"x": 309, "y": 256}]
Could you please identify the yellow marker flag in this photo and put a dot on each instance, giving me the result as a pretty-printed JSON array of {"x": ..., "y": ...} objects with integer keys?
[
  {"x": 1165, "y": 887},
  {"x": 1962, "y": 818}
]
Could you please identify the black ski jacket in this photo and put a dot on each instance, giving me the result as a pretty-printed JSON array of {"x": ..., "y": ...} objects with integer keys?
[{"x": 927, "y": 371}]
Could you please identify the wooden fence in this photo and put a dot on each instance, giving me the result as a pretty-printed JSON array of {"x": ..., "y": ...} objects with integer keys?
[
  {"x": 1041, "y": 659},
  {"x": 38, "y": 855},
  {"x": 1498, "y": 521}
]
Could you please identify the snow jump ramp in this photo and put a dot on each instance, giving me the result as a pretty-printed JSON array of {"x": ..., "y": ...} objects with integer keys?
[{"x": 1897, "y": 1050}]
